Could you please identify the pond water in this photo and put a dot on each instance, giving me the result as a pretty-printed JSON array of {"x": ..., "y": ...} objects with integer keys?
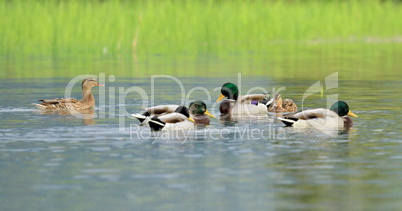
[{"x": 56, "y": 161}]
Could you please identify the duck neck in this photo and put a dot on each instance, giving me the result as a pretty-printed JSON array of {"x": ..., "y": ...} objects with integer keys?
[{"x": 87, "y": 97}]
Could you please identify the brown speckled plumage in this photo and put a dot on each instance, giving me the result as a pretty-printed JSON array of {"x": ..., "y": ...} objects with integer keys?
[
  {"x": 280, "y": 106},
  {"x": 87, "y": 101}
]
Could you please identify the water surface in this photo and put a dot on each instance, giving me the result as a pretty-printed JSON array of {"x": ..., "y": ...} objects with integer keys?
[{"x": 56, "y": 161}]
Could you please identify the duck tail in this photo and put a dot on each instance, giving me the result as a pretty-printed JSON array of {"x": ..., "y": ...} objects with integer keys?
[
  {"x": 156, "y": 124},
  {"x": 39, "y": 106},
  {"x": 141, "y": 117},
  {"x": 288, "y": 121}
]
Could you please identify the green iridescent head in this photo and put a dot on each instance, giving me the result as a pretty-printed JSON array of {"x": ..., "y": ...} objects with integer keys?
[
  {"x": 230, "y": 91},
  {"x": 197, "y": 107},
  {"x": 342, "y": 109}
]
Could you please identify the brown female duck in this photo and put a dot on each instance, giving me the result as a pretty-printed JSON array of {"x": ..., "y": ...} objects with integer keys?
[
  {"x": 87, "y": 101},
  {"x": 279, "y": 106}
]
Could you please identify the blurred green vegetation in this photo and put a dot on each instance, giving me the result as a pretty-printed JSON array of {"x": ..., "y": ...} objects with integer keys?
[
  {"x": 32, "y": 27},
  {"x": 133, "y": 35}
]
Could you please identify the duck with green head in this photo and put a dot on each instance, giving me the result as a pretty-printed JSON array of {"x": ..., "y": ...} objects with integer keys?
[
  {"x": 253, "y": 104},
  {"x": 199, "y": 112},
  {"x": 335, "y": 117}
]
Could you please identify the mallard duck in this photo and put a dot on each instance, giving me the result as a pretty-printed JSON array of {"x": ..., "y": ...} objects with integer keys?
[
  {"x": 178, "y": 120},
  {"x": 253, "y": 104},
  {"x": 154, "y": 111},
  {"x": 199, "y": 113},
  {"x": 279, "y": 106},
  {"x": 87, "y": 101},
  {"x": 335, "y": 117}
]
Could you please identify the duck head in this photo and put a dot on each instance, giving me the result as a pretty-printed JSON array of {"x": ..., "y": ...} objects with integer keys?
[
  {"x": 277, "y": 102},
  {"x": 342, "y": 109},
  {"x": 230, "y": 91},
  {"x": 199, "y": 108},
  {"x": 88, "y": 83}
]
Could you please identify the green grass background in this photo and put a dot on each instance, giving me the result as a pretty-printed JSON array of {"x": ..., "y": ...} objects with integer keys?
[
  {"x": 48, "y": 27},
  {"x": 194, "y": 30}
]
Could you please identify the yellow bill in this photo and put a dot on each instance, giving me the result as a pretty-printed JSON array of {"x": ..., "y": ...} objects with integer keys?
[
  {"x": 209, "y": 114},
  {"x": 220, "y": 98},
  {"x": 191, "y": 119},
  {"x": 350, "y": 113}
]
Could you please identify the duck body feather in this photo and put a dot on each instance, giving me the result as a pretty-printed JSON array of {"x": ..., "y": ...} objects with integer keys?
[
  {"x": 248, "y": 109},
  {"x": 201, "y": 119},
  {"x": 334, "y": 118},
  {"x": 64, "y": 104},
  {"x": 315, "y": 118},
  {"x": 245, "y": 105},
  {"x": 182, "y": 118},
  {"x": 161, "y": 109},
  {"x": 279, "y": 106},
  {"x": 169, "y": 122},
  {"x": 87, "y": 101},
  {"x": 154, "y": 111}
]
